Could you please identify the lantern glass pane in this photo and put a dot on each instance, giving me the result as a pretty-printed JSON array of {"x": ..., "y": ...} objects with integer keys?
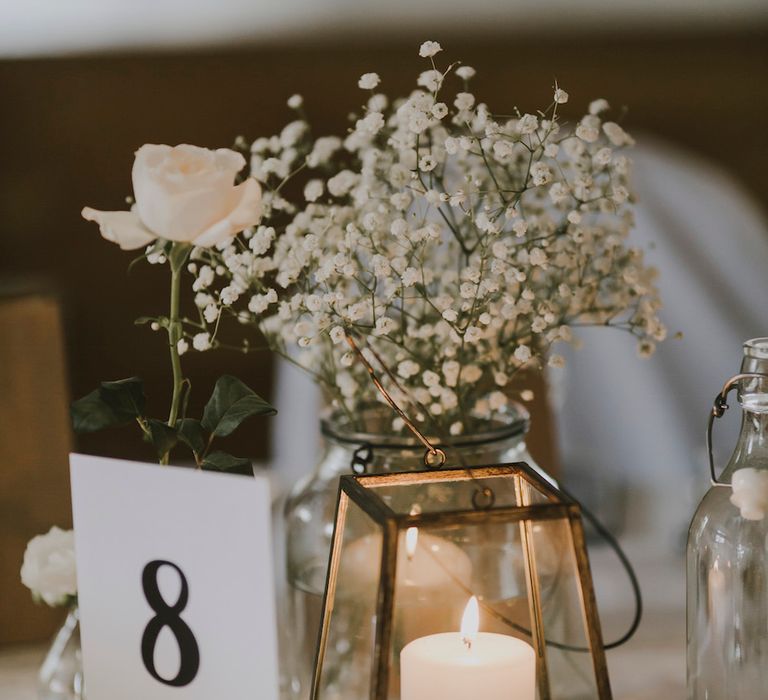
[
  {"x": 440, "y": 567},
  {"x": 533, "y": 493},
  {"x": 348, "y": 660},
  {"x": 570, "y": 663}
]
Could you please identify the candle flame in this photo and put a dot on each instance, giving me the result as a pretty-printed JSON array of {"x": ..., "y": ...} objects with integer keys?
[
  {"x": 470, "y": 622},
  {"x": 411, "y": 540}
]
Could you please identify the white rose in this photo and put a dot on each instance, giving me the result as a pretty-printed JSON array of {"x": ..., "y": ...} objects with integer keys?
[
  {"x": 48, "y": 569},
  {"x": 185, "y": 194}
]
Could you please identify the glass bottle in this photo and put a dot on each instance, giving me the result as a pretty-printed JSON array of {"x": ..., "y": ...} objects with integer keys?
[
  {"x": 61, "y": 675},
  {"x": 310, "y": 510},
  {"x": 728, "y": 567}
]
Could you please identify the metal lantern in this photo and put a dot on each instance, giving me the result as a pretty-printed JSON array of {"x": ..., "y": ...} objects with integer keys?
[{"x": 458, "y": 583}]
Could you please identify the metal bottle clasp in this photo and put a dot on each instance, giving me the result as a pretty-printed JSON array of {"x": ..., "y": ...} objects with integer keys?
[{"x": 719, "y": 407}]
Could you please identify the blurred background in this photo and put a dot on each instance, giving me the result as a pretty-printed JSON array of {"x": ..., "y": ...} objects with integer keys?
[{"x": 83, "y": 84}]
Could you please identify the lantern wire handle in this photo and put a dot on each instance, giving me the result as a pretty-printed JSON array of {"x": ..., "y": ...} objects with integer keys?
[{"x": 434, "y": 457}]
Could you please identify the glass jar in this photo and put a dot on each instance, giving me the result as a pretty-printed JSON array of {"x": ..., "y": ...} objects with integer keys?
[
  {"x": 310, "y": 509},
  {"x": 728, "y": 567},
  {"x": 61, "y": 675}
]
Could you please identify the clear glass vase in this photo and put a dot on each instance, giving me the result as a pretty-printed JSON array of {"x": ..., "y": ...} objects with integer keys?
[
  {"x": 728, "y": 566},
  {"x": 61, "y": 675},
  {"x": 310, "y": 510}
]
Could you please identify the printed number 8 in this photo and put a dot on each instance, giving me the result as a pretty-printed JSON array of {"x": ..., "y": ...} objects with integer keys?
[{"x": 168, "y": 616}]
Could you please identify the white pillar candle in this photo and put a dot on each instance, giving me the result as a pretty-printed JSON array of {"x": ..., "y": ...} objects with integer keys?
[{"x": 468, "y": 664}]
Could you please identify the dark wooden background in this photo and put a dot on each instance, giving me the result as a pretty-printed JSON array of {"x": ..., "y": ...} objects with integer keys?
[{"x": 69, "y": 127}]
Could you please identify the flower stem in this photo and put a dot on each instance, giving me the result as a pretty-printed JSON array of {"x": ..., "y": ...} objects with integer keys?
[{"x": 176, "y": 259}]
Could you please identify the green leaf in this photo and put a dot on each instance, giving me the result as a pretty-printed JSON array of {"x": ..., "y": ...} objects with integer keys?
[
  {"x": 163, "y": 437},
  {"x": 125, "y": 397},
  {"x": 113, "y": 403},
  {"x": 92, "y": 413},
  {"x": 190, "y": 432},
  {"x": 230, "y": 404},
  {"x": 223, "y": 462}
]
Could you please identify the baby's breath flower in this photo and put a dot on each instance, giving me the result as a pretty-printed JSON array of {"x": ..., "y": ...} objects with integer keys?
[
  {"x": 557, "y": 361},
  {"x": 211, "y": 313},
  {"x": 541, "y": 174},
  {"x": 528, "y": 124},
  {"x": 337, "y": 334},
  {"x": 522, "y": 353},
  {"x": 182, "y": 346},
  {"x": 465, "y": 72},
  {"x": 201, "y": 341},
  {"x": 431, "y": 79},
  {"x": 587, "y": 132},
  {"x": 472, "y": 334},
  {"x": 464, "y": 101},
  {"x": 598, "y": 106},
  {"x": 368, "y": 81},
  {"x": 439, "y": 110},
  {"x": 497, "y": 400},
  {"x": 520, "y": 228},
  {"x": 407, "y": 369},
  {"x": 433, "y": 235},
  {"x": 427, "y": 163},
  {"x": 429, "y": 49},
  {"x": 385, "y": 326},
  {"x": 646, "y": 348},
  {"x": 558, "y": 193},
  {"x": 617, "y": 135},
  {"x": 313, "y": 190},
  {"x": 410, "y": 277},
  {"x": 450, "y": 315},
  {"x": 295, "y": 101},
  {"x": 371, "y": 124}
]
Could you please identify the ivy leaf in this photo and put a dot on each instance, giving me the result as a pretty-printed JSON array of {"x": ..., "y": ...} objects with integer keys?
[
  {"x": 190, "y": 432},
  {"x": 113, "y": 403},
  {"x": 163, "y": 437},
  {"x": 125, "y": 397},
  {"x": 91, "y": 413},
  {"x": 230, "y": 404},
  {"x": 222, "y": 462}
]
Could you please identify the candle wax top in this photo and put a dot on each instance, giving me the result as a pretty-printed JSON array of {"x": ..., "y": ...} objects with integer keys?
[{"x": 488, "y": 648}]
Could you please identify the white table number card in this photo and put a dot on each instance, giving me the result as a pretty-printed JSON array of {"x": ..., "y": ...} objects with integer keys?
[{"x": 175, "y": 580}]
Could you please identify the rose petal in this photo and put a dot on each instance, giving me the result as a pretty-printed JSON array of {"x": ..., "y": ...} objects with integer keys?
[
  {"x": 121, "y": 227},
  {"x": 183, "y": 190},
  {"x": 246, "y": 213}
]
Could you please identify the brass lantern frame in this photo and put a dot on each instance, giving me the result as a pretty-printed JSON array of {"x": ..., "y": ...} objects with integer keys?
[{"x": 558, "y": 506}]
